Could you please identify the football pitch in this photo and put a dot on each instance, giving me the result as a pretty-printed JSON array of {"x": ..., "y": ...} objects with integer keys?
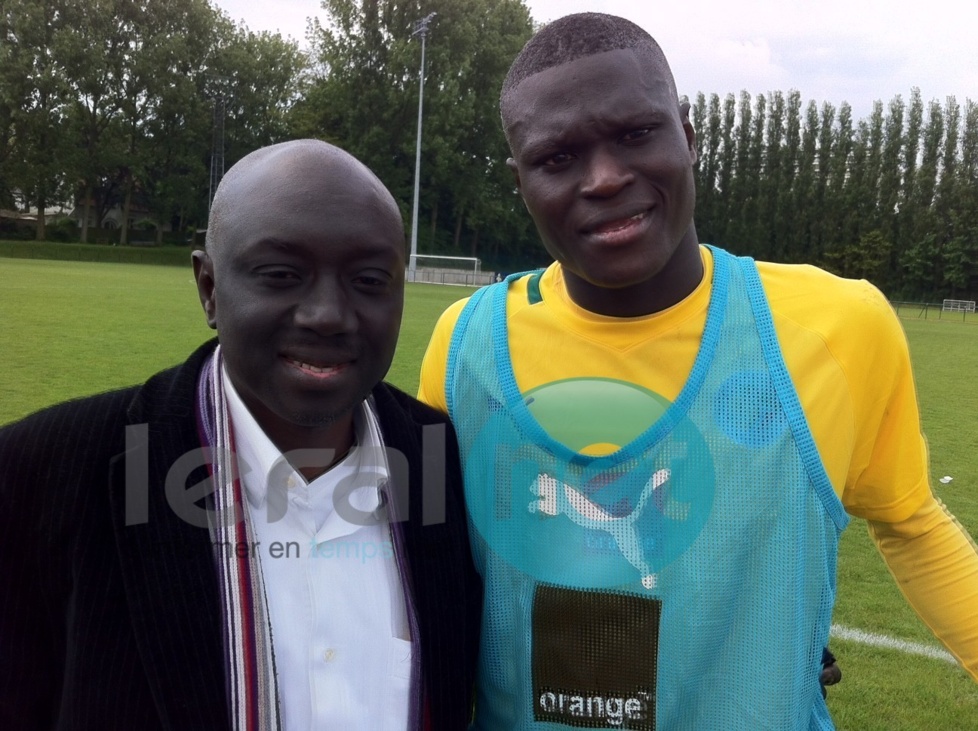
[{"x": 71, "y": 328}]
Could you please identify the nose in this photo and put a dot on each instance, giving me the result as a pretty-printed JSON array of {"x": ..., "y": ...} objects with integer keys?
[
  {"x": 325, "y": 308},
  {"x": 605, "y": 174}
]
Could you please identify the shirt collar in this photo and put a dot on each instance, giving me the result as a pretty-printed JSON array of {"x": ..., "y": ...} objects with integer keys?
[{"x": 260, "y": 461}]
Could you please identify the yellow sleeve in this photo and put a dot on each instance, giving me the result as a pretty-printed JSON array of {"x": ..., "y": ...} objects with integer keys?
[
  {"x": 848, "y": 357},
  {"x": 888, "y": 476},
  {"x": 431, "y": 389},
  {"x": 935, "y": 564}
]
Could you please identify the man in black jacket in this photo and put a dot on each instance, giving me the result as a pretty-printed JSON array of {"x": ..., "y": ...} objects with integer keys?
[{"x": 161, "y": 546}]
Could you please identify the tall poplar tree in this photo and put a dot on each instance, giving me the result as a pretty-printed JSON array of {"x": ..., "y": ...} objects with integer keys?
[
  {"x": 804, "y": 205},
  {"x": 785, "y": 223},
  {"x": 921, "y": 260},
  {"x": 824, "y": 169},
  {"x": 772, "y": 177},
  {"x": 743, "y": 178},
  {"x": 868, "y": 195},
  {"x": 755, "y": 231},
  {"x": 961, "y": 252},
  {"x": 890, "y": 178},
  {"x": 708, "y": 202},
  {"x": 726, "y": 170}
]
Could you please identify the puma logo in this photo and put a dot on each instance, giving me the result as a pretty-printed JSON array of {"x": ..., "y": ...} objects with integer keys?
[{"x": 558, "y": 498}]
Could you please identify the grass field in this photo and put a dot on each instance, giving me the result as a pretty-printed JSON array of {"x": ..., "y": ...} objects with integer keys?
[{"x": 73, "y": 328}]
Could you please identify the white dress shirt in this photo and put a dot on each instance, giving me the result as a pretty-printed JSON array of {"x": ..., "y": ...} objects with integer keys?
[{"x": 339, "y": 626}]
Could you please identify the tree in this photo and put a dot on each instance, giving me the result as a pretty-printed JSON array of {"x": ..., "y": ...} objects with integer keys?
[
  {"x": 105, "y": 101},
  {"x": 785, "y": 226},
  {"x": 7, "y": 106},
  {"x": 824, "y": 168},
  {"x": 835, "y": 209},
  {"x": 956, "y": 207},
  {"x": 260, "y": 78},
  {"x": 966, "y": 207},
  {"x": 804, "y": 204},
  {"x": 164, "y": 45},
  {"x": 926, "y": 179},
  {"x": 32, "y": 79},
  {"x": 862, "y": 259},
  {"x": 743, "y": 180},
  {"x": 364, "y": 97},
  {"x": 726, "y": 168},
  {"x": 890, "y": 179},
  {"x": 772, "y": 176},
  {"x": 95, "y": 57},
  {"x": 706, "y": 119},
  {"x": 868, "y": 196},
  {"x": 944, "y": 193},
  {"x": 177, "y": 131}
]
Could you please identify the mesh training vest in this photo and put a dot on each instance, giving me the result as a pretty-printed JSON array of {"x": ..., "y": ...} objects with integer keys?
[{"x": 682, "y": 582}]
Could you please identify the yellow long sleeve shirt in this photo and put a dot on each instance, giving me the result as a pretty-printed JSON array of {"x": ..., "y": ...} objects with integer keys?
[{"x": 847, "y": 355}]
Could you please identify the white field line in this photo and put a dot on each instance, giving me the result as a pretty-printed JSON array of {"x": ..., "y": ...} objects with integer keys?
[{"x": 891, "y": 643}]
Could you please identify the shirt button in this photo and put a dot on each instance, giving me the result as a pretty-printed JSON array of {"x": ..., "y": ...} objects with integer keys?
[
  {"x": 329, "y": 655},
  {"x": 291, "y": 482}
]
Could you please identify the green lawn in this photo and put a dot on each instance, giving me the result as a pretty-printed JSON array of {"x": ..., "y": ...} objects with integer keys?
[
  {"x": 76, "y": 328},
  {"x": 73, "y": 328},
  {"x": 885, "y": 690}
]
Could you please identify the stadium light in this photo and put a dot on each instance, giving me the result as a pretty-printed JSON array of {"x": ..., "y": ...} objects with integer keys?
[{"x": 420, "y": 29}]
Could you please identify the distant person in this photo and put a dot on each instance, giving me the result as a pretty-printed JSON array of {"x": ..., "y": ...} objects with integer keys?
[
  {"x": 662, "y": 442},
  {"x": 326, "y": 582}
]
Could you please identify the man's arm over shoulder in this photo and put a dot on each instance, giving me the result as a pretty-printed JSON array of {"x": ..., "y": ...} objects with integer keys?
[{"x": 433, "y": 368}]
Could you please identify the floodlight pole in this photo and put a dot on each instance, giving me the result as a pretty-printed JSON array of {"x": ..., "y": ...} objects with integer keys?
[
  {"x": 217, "y": 150},
  {"x": 420, "y": 29},
  {"x": 217, "y": 137}
]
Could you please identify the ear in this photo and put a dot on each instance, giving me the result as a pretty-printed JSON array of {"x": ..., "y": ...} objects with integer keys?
[
  {"x": 204, "y": 274},
  {"x": 689, "y": 131},
  {"x": 513, "y": 168}
]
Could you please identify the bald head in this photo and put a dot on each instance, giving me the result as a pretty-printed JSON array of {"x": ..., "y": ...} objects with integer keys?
[
  {"x": 304, "y": 169},
  {"x": 303, "y": 279}
]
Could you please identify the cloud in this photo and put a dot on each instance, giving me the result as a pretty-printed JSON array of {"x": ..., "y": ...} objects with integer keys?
[{"x": 834, "y": 50}]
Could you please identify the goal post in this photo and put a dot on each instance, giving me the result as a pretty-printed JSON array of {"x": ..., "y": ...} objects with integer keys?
[
  {"x": 962, "y": 306},
  {"x": 440, "y": 269},
  {"x": 959, "y": 306}
]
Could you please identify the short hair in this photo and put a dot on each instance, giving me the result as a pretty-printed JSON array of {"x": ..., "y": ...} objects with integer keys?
[{"x": 576, "y": 36}]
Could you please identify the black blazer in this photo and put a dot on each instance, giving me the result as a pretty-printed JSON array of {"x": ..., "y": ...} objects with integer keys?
[{"x": 109, "y": 626}]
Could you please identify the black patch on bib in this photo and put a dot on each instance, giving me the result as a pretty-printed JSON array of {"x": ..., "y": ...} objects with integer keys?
[{"x": 595, "y": 655}]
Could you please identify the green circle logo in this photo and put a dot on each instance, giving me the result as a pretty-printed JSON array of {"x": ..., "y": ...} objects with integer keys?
[
  {"x": 604, "y": 518},
  {"x": 594, "y": 416}
]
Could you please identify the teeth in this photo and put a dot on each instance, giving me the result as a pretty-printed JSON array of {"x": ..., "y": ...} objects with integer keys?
[
  {"x": 314, "y": 369},
  {"x": 619, "y": 225}
]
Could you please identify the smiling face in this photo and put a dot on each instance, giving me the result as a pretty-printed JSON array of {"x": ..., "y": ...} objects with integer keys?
[
  {"x": 304, "y": 282},
  {"x": 603, "y": 155}
]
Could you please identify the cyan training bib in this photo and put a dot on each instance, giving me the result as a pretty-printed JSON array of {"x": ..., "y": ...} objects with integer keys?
[{"x": 684, "y": 580}]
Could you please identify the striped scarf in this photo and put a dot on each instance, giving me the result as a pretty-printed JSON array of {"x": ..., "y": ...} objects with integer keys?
[{"x": 248, "y": 652}]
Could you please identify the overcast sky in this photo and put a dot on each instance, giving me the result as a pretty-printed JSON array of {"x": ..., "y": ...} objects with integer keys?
[{"x": 830, "y": 50}]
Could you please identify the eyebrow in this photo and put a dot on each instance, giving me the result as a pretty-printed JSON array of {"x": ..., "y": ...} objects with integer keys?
[
  {"x": 541, "y": 146},
  {"x": 366, "y": 249},
  {"x": 281, "y": 244}
]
